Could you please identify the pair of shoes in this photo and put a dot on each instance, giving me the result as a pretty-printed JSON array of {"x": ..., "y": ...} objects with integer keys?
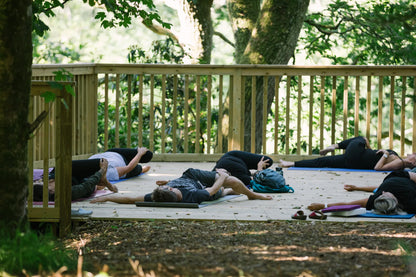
[
  {"x": 317, "y": 215},
  {"x": 299, "y": 215},
  {"x": 80, "y": 212}
]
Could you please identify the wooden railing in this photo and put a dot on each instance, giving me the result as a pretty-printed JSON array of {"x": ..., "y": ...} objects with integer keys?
[
  {"x": 196, "y": 112},
  {"x": 53, "y": 140}
]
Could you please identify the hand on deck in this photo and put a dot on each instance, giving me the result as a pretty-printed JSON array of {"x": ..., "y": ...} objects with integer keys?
[
  {"x": 161, "y": 183},
  {"x": 350, "y": 187},
  {"x": 99, "y": 199}
]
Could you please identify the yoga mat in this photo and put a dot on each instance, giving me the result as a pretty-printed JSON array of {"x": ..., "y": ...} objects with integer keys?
[
  {"x": 333, "y": 169},
  {"x": 222, "y": 199},
  {"x": 168, "y": 204},
  {"x": 185, "y": 205},
  {"x": 395, "y": 216}
]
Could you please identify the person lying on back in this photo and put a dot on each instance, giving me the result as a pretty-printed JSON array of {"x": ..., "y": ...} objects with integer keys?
[{"x": 194, "y": 186}]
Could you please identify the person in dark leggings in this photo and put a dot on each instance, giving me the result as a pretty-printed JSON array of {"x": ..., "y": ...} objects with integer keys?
[
  {"x": 239, "y": 163},
  {"x": 124, "y": 162},
  {"x": 89, "y": 176},
  {"x": 396, "y": 194},
  {"x": 357, "y": 155}
]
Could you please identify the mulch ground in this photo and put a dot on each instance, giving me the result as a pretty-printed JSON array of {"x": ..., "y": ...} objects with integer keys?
[{"x": 232, "y": 248}]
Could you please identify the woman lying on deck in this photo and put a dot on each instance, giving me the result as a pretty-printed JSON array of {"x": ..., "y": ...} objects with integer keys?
[
  {"x": 124, "y": 162},
  {"x": 397, "y": 193},
  {"x": 358, "y": 155},
  {"x": 239, "y": 163}
]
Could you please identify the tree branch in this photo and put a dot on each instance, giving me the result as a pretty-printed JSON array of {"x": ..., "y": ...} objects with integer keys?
[
  {"x": 35, "y": 124},
  {"x": 224, "y": 38},
  {"x": 161, "y": 31},
  {"x": 53, "y": 7}
]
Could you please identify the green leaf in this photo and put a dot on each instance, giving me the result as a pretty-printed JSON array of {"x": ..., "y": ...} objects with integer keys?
[
  {"x": 48, "y": 96},
  {"x": 70, "y": 90},
  {"x": 55, "y": 85}
]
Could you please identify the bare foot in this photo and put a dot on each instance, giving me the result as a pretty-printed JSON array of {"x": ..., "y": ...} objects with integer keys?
[
  {"x": 104, "y": 165},
  {"x": 145, "y": 168},
  {"x": 283, "y": 163},
  {"x": 105, "y": 183},
  {"x": 325, "y": 151}
]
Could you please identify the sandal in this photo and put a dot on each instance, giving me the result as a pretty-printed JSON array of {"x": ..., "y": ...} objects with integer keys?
[
  {"x": 299, "y": 215},
  {"x": 317, "y": 215}
]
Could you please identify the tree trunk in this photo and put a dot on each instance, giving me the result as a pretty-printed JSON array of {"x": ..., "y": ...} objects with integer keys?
[
  {"x": 15, "y": 82},
  {"x": 196, "y": 29},
  {"x": 243, "y": 17},
  {"x": 272, "y": 41}
]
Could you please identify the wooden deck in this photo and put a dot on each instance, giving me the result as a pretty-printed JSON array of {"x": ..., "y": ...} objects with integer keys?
[{"x": 309, "y": 186}]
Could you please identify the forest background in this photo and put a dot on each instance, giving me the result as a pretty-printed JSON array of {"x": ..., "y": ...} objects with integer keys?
[
  {"x": 334, "y": 32},
  {"x": 68, "y": 41}
]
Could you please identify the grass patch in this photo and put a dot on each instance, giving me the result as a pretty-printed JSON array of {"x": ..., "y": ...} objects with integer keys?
[{"x": 33, "y": 253}]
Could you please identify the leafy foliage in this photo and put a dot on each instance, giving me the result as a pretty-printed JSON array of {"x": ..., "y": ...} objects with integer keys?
[
  {"x": 378, "y": 32},
  {"x": 60, "y": 76},
  {"x": 117, "y": 13},
  {"x": 35, "y": 253}
]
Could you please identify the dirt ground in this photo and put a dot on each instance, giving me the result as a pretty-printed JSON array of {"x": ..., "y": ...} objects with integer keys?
[
  {"x": 246, "y": 238},
  {"x": 241, "y": 248}
]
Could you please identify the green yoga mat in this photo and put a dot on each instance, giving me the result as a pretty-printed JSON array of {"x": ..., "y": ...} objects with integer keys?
[{"x": 185, "y": 205}]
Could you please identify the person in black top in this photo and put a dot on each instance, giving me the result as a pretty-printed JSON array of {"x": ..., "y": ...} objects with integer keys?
[
  {"x": 194, "y": 186},
  {"x": 358, "y": 155},
  {"x": 396, "y": 193},
  {"x": 239, "y": 164}
]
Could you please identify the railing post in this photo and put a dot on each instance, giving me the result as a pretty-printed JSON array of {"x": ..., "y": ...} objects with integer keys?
[
  {"x": 64, "y": 162},
  {"x": 236, "y": 112}
]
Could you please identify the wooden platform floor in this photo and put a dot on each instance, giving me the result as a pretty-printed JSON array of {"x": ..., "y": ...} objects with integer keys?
[{"x": 309, "y": 186}]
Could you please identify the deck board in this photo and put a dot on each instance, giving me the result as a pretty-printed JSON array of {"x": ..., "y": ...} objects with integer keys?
[{"x": 309, "y": 186}]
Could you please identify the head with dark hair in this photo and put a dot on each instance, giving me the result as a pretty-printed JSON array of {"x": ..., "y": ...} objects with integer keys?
[
  {"x": 410, "y": 161},
  {"x": 38, "y": 193},
  {"x": 386, "y": 204},
  {"x": 164, "y": 194}
]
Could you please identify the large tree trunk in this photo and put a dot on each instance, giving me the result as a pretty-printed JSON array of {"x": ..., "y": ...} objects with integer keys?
[
  {"x": 243, "y": 17},
  {"x": 15, "y": 81},
  {"x": 272, "y": 41},
  {"x": 197, "y": 31}
]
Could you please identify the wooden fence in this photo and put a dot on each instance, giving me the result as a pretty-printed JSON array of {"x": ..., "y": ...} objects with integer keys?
[
  {"x": 52, "y": 141},
  {"x": 197, "y": 112}
]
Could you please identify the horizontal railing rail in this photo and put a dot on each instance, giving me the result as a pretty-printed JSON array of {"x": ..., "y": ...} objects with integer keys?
[{"x": 205, "y": 110}]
